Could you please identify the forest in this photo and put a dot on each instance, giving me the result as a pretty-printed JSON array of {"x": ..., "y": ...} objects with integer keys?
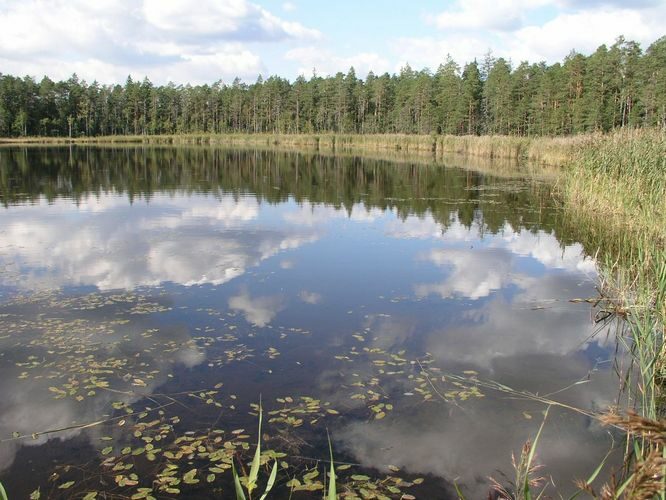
[{"x": 616, "y": 86}]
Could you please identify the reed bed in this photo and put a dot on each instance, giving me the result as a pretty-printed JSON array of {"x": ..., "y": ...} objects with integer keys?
[
  {"x": 621, "y": 177},
  {"x": 542, "y": 150},
  {"x": 614, "y": 198}
]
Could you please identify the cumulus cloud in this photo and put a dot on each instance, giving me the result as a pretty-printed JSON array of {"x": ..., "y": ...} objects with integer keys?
[
  {"x": 471, "y": 442},
  {"x": 477, "y": 274},
  {"x": 474, "y": 274},
  {"x": 234, "y": 19},
  {"x": 545, "y": 248},
  {"x": 430, "y": 52},
  {"x": 316, "y": 214},
  {"x": 584, "y": 31},
  {"x": 520, "y": 322},
  {"x": 289, "y": 6},
  {"x": 182, "y": 240},
  {"x": 326, "y": 62},
  {"x": 486, "y": 14},
  {"x": 502, "y": 339},
  {"x": 515, "y": 30},
  {"x": 310, "y": 297},
  {"x": 259, "y": 311},
  {"x": 164, "y": 40}
]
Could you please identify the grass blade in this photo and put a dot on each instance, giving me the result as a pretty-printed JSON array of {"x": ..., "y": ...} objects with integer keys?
[
  {"x": 3, "y": 493},
  {"x": 594, "y": 474},
  {"x": 458, "y": 491},
  {"x": 332, "y": 493},
  {"x": 237, "y": 485},
  {"x": 271, "y": 481},
  {"x": 530, "y": 457},
  {"x": 254, "y": 468}
]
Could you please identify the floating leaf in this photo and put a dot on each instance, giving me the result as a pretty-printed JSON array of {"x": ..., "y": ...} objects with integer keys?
[
  {"x": 189, "y": 477},
  {"x": 142, "y": 493}
]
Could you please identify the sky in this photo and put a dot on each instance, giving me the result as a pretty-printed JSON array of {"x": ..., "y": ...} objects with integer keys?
[{"x": 211, "y": 40}]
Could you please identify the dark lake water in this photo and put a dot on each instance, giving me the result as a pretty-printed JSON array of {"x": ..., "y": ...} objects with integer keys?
[{"x": 149, "y": 297}]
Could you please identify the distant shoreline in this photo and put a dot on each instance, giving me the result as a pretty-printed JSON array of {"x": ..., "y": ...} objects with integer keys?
[{"x": 552, "y": 151}]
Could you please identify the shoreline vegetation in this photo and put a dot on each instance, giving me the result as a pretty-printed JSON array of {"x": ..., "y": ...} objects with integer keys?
[
  {"x": 612, "y": 190},
  {"x": 549, "y": 151}
]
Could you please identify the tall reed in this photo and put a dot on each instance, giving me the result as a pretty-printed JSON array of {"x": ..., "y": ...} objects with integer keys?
[
  {"x": 546, "y": 150},
  {"x": 614, "y": 188}
]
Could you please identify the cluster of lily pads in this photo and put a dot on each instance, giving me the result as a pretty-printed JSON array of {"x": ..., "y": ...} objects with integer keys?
[{"x": 93, "y": 349}]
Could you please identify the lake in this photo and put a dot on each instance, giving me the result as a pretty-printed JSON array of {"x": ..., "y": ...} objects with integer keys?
[{"x": 151, "y": 297}]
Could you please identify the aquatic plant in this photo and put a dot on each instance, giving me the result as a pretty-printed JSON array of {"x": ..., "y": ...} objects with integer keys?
[
  {"x": 527, "y": 471},
  {"x": 645, "y": 478},
  {"x": 249, "y": 482}
]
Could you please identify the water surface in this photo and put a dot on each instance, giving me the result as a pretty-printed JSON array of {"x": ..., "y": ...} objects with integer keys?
[{"x": 149, "y": 297}]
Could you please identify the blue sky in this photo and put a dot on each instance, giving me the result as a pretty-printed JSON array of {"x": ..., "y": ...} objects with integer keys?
[{"x": 209, "y": 40}]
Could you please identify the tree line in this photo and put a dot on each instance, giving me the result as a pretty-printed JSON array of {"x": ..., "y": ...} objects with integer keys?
[{"x": 616, "y": 86}]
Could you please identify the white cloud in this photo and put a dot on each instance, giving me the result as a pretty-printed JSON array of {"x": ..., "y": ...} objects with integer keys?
[
  {"x": 94, "y": 249},
  {"x": 289, "y": 6},
  {"x": 229, "y": 18},
  {"x": 259, "y": 311},
  {"x": 584, "y": 31},
  {"x": 426, "y": 227},
  {"x": 475, "y": 274},
  {"x": 361, "y": 213},
  {"x": 430, "y": 52},
  {"x": 163, "y": 40},
  {"x": 314, "y": 214},
  {"x": 545, "y": 248},
  {"x": 486, "y": 14},
  {"x": 472, "y": 27},
  {"x": 310, "y": 297},
  {"x": 501, "y": 338},
  {"x": 326, "y": 62}
]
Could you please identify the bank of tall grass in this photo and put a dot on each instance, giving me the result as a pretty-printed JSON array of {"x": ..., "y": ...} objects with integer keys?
[
  {"x": 542, "y": 150},
  {"x": 614, "y": 199},
  {"x": 615, "y": 190}
]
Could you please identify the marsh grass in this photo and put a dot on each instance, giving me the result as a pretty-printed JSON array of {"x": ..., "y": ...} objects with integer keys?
[
  {"x": 645, "y": 477},
  {"x": 621, "y": 178},
  {"x": 614, "y": 200},
  {"x": 541, "y": 150},
  {"x": 615, "y": 190},
  {"x": 527, "y": 472}
]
